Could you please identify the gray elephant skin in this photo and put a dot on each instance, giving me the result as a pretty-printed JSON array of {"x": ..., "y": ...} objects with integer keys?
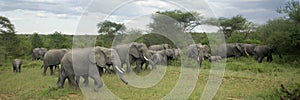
[
  {"x": 85, "y": 62},
  {"x": 214, "y": 58},
  {"x": 262, "y": 51},
  {"x": 38, "y": 53},
  {"x": 158, "y": 57},
  {"x": 53, "y": 58},
  {"x": 159, "y": 47},
  {"x": 134, "y": 53},
  {"x": 248, "y": 48},
  {"x": 17, "y": 63},
  {"x": 198, "y": 52},
  {"x": 232, "y": 50}
]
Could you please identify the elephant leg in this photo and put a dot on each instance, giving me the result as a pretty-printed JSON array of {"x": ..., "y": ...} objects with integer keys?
[
  {"x": 14, "y": 69},
  {"x": 128, "y": 67},
  {"x": 269, "y": 58},
  {"x": 86, "y": 80},
  {"x": 260, "y": 59},
  {"x": 256, "y": 57},
  {"x": 61, "y": 79},
  {"x": 45, "y": 69},
  {"x": 138, "y": 66},
  {"x": 72, "y": 81},
  {"x": 77, "y": 79},
  {"x": 20, "y": 69},
  {"x": 100, "y": 71},
  {"x": 51, "y": 70},
  {"x": 146, "y": 65},
  {"x": 98, "y": 83}
]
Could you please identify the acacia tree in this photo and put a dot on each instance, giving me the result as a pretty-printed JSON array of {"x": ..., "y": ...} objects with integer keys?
[
  {"x": 9, "y": 40},
  {"x": 110, "y": 28},
  {"x": 234, "y": 24},
  {"x": 177, "y": 19}
]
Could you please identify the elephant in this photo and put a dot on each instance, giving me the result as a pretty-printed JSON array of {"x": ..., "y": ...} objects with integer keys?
[
  {"x": 53, "y": 58},
  {"x": 159, "y": 57},
  {"x": 198, "y": 52},
  {"x": 159, "y": 47},
  {"x": 214, "y": 58},
  {"x": 133, "y": 53},
  {"x": 262, "y": 51},
  {"x": 248, "y": 48},
  {"x": 232, "y": 50},
  {"x": 85, "y": 62},
  {"x": 38, "y": 53},
  {"x": 176, "y": 53},
  {"x": 17, "y": 63}
]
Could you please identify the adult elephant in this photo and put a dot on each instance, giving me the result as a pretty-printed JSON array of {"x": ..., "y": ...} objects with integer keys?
[
  {"x": 248, "y": 48},
  {"x": 134, "y": 53},
  {"x": 17, "y": 63},
  {"x": 53, "y": 58},
  {"x": 38, "y": 53},
  {"x": 85, "y": 62},
  {"x": 232, "y": 50},
  {"x": 159, "y": 47},
  {"x": 262, "y": 51},
  {"x": 198, "y": 52}
]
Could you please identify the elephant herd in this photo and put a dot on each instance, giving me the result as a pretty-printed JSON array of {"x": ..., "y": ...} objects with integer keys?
[
  {"x": 243, "y": 49},
  {"x": 94, "y": 61}
]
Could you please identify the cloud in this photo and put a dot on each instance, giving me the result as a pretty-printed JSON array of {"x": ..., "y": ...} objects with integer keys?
[{"x": 70, "y": 7}]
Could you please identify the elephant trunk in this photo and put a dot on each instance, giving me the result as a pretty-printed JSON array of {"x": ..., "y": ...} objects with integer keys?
[{"x": 119, "y": 72}]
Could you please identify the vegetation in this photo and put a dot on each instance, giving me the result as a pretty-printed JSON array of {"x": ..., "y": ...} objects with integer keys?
[{"x": 244, "y": 78}]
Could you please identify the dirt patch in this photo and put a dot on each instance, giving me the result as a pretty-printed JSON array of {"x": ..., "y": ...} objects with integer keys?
[{"x": 5, "y": 96}]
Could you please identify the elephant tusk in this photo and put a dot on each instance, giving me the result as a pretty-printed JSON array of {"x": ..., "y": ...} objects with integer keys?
[
  {"x": 198, "y": 59},
  {"x": 119, "y": 69},
  {"x": 123, "y": 69},
  {"x": 146, "y": 58},
  {"x": 246, "y": 53}
]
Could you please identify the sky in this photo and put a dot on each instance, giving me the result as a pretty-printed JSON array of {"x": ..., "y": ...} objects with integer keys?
[{"x": 82, "y": 16}]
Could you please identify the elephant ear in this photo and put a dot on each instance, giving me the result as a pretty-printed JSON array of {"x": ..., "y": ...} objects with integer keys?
[
  {"x": 134, "y": 50},
  {"x": 97, "y": 56}
]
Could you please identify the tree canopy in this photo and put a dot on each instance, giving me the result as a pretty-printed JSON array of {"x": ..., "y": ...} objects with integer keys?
[
  {"x": 36, "y": 41},
  {"x": 9, "y": 40},
  {"x": 109, "y": 27},
  {"x": 185, "y": 21}
]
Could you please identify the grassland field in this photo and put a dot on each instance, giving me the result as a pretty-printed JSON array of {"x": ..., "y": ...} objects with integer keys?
[{"x": 244, "y": 78}]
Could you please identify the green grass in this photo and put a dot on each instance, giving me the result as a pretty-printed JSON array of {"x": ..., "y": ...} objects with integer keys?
[{"x": 244, "y": 78}]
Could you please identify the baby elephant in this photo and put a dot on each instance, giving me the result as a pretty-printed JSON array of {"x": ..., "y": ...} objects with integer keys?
[
  {"x": 17, "y": 65},
  {"x": 214, "y": 58}
]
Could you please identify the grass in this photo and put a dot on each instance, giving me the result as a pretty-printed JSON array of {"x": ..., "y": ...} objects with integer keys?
[{"x": 244, "y": 78}]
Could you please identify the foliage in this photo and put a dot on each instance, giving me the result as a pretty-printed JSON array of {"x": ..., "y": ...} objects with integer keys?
[
  {"x": 59, "y": 41},
  {"x": 234, "y": 24},
  {"x": 36, "y": 41},
  {"x": 109, "y": 27},
  {"x": 292, "y": 10},
  {"x": 281, "y": 33},
  {"x": 154, "y": 39},
  {"x": 179, "y": 20},
  {"x": 9, "y": 41}
]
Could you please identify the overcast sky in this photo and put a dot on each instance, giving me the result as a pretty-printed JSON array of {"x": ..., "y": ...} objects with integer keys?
[{"x": 81, "y": 16}]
